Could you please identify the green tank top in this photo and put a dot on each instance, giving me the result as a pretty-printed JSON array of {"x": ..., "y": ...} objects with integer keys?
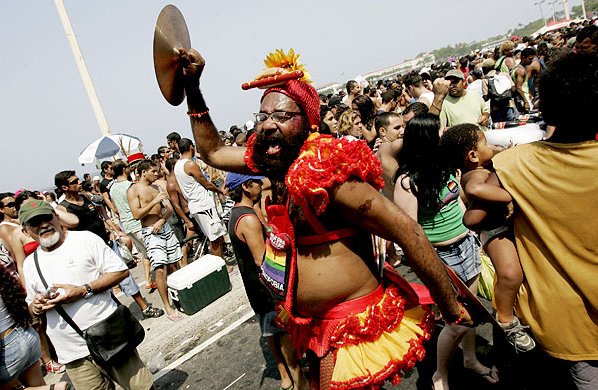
[{"x": 444, "y": 222}]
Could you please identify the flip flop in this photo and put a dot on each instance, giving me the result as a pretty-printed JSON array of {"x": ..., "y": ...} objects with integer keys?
[
  {"x": 291, "y": 387},
  {"x": 174, "y": 317}
]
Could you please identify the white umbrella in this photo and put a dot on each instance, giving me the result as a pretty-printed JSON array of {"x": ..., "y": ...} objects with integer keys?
[{"x": 110, "y": 146}]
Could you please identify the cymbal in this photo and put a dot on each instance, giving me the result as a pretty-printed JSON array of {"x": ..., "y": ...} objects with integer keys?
[{"x": 171, "y": 33}]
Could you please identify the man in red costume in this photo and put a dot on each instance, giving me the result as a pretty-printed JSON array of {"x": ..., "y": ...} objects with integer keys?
[{"x": 358, "y": 329}]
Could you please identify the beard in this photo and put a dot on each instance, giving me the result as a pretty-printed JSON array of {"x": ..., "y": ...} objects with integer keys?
[
  {"x": 48, "y": 242},
  {"x": 276, "y": 165}
]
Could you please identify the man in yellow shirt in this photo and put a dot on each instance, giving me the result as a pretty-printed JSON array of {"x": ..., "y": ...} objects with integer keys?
[{"x": 554, "y": 185}]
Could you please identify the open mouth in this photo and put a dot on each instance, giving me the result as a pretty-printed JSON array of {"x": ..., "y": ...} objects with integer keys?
[{"x": 273, "y": 149}]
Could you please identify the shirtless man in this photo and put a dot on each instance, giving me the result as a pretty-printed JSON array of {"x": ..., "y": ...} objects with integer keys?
[
  {"x": 10, "y": 220},
  {"x": 391, "y": 127},
  {"x": 149, "y": 204},
  {"x": 321, "y": 238}
]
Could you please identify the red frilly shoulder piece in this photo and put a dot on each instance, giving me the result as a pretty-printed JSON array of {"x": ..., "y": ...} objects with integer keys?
[
  {"x": 326, "y": 162},
  {"x": 248, "y": 158}
]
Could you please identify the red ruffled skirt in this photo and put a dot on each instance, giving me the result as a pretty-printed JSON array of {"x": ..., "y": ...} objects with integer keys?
[{"x": 374, "y": 338}]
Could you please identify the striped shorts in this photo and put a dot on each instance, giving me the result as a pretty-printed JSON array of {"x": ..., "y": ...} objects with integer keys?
[
  {"x": 163, "y": 247},
  {"x": 463, "y": 257}
]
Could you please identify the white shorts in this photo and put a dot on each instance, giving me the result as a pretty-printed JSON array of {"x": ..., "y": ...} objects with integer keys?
[
  {"x": 163, "y": 247},
  {"x": 210, "y": 224}
]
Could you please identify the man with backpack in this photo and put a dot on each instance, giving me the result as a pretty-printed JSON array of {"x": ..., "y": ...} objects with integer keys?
[{"x": 459, "y": 106}]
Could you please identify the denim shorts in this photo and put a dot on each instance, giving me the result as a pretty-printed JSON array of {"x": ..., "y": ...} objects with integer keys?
[
  {"x": 463, "y": 257},
  {"x": 19, "y": 351},
  {"x": 267, "y": 325}
]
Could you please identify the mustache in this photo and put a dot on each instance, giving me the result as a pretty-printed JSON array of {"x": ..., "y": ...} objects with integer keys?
[{"x": 46, "y": 230}]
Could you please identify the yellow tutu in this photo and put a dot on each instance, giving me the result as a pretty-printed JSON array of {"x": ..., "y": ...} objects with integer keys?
[{"x": 374, "y": 338}]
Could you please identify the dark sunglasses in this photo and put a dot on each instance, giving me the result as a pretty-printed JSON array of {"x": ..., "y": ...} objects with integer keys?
[
  {"x": 9, "y": 204},
  {"x": 38, "y": 220},
  {"x": 74, "y": 181}
]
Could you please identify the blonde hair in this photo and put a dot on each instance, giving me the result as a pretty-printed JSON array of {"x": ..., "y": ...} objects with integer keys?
[
  {"x": 505, "y": 47},
  {"x": 346, "y": 121}
]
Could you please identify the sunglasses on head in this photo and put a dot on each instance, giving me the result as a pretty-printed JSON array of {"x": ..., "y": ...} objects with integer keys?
[
  {"x": 38, "y": 220},
  {"x": 9, "y": 204}
]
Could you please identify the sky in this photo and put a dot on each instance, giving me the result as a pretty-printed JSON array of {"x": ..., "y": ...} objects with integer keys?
[{"x": 46, "y": 118}]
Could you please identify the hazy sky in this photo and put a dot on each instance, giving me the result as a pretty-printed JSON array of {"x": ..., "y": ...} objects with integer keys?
[{"x": 45, "y": 116}]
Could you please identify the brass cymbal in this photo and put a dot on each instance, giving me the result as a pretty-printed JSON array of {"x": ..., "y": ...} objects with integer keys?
[{"x": 171, "y": 33}]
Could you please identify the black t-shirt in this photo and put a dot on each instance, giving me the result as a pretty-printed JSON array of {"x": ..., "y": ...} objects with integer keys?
[
  {"x": 89, "y": 218},
  {"x": 105, "y": 185},
  {"x": 260, "y": 299}
]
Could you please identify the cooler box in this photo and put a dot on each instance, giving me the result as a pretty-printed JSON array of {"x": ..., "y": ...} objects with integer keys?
[{"x": 198, "y": 284}]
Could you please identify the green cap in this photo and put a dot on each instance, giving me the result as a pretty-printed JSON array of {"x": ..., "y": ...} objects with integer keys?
[{"x": 33, "y": 208}]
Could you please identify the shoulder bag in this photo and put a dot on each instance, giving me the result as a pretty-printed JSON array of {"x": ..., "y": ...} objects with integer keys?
[{"x": 110, "y": 338}]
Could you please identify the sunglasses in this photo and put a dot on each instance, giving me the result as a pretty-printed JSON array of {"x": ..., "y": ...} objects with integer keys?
[
  {"x": 9, "y": 204},
  {"x": 74, "y": 181},
  {"x": 36, "y": 221}
]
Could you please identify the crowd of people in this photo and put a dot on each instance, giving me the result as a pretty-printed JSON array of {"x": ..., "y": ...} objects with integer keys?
[{"x": 313, "y": 179}]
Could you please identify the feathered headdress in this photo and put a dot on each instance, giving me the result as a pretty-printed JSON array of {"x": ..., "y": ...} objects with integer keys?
[{"x": 286, "y": 75}]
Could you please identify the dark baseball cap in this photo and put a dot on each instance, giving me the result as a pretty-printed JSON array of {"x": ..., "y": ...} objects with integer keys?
[
  {"x": 234, "y": 180},
  {"x": 334, "y": 101},
  {"x": 33, "y": 209}
]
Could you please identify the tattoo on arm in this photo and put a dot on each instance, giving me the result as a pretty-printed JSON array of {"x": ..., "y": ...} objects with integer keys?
[{"x": 366, "y": 206}]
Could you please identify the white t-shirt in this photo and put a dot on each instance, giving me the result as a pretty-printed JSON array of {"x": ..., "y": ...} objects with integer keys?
[
  {"x": 198, "y": 198},
  {"x": 82, "y": 258}
]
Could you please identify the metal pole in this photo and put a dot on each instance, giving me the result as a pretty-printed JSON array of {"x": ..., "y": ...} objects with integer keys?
[
  {"x": 553, "y": 11},
  {"x": 583, "y": 9},
  {"x": 539, "y": 4},
  {"x": 91, "y": 93},
  {"x": 566, "y": 7}
]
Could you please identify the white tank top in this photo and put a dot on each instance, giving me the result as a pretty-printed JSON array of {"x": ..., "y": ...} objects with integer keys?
[
  {"x": 9, "y": 224},
  {"x": 197, "y": 196}
]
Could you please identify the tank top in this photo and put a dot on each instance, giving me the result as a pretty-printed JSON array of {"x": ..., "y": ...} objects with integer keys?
[
  {"x": 198, "y": 198},
  {"x": 260, "y": 299},
  {"x": 89, "y": 218},
  {"x": 10, "y": 270},
  {"x": 444, "y": 222}
]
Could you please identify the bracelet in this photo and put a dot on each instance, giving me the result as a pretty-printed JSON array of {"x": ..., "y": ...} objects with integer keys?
[
  {"x": 436, "y": 107},
  {"x": 198, "y": 114},
  {"x": 461, "y": 317}
]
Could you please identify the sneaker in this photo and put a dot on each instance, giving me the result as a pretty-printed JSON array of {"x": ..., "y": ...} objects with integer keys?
[
  {"x": 53, "y": 367},
  {"x": 517, "y": 335},
  {"x": 152, "y": 312}
]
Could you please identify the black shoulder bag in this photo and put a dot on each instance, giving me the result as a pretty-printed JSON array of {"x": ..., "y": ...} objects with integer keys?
[{"x": 110, "y": 338}]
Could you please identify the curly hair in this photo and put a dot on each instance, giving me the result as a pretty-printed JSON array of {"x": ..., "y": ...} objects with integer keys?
[
  {"x": 422, "y": 161},
  {"x": 457, "y": 142},
  {"x": 346, "y": 121},
  {"x": 366, "y": 108},
  {"x": 568, "y": 90},
  {"x": 13, "y": 295}
]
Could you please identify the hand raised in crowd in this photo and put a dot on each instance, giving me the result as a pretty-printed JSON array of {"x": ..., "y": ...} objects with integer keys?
[
  {"x": 193, "y": 64},
  {"x": 441, "y": 86}
]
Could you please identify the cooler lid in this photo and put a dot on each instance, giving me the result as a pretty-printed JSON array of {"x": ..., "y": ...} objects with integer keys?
[{"x": 197, "y": 270}]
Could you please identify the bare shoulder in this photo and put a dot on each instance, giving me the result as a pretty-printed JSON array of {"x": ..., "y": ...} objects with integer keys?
[{"x": 475, "y": 176}]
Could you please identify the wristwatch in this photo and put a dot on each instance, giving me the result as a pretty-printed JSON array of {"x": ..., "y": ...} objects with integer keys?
[{"x": 89, "y": 291}]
